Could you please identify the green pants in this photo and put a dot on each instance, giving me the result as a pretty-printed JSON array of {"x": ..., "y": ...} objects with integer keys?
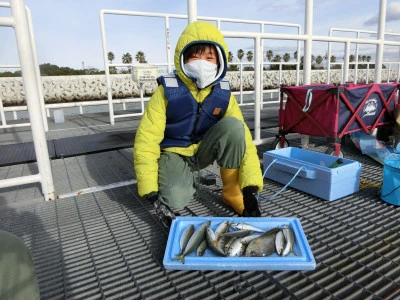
[
  {"x": 17, "y": 272},
  {"x": 224, "y": 143}
]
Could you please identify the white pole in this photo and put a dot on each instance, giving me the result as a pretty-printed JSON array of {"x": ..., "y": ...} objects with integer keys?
[
  {"x": 346, "y": 62},
  {"x": 168, "y": 42},
  {"x": 106, "y": 68},
  {"x": 308, "y": 30},
  {"x": 32, "y": 97},
  {"x": 308, "y": 42},
  {"x": 192, "y": 11},
  {"x": 37, "y": 71},
  {"x": 357, "y": 53},
  {"x": 257, "y": 86},
  {"x": 381, "y": 38}
]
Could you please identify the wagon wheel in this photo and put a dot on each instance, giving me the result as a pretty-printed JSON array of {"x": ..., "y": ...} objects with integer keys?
[
  {"x": 276, "y": 144},
  {"x": 331, "y": 151}
]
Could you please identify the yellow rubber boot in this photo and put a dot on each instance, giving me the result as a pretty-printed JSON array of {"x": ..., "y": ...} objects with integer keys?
[{"x": 231, "y": 194}]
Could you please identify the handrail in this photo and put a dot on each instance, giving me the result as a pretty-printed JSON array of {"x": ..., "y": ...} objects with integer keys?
[{"x": 20, "y": 22}]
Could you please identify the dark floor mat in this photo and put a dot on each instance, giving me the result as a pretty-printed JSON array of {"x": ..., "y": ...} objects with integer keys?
[
  {"x": 93, "y": 143},
  {"x": 12, "y": 154}
]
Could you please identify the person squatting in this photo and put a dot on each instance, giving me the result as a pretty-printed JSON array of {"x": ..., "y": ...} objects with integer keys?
[{"x": 191, "y": 121}]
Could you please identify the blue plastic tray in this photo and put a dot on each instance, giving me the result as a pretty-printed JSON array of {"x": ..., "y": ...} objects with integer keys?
[{"x": 303, "y": 260}]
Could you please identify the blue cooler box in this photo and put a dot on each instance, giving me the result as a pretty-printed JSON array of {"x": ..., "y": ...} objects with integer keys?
[{"x": 316, "y": 178}]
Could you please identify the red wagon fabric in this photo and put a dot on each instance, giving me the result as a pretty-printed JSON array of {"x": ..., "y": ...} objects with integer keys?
[{"x": 332, "y": 111}]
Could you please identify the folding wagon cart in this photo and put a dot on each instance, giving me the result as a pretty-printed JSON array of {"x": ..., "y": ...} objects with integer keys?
[{"x": 332, "y": 111}]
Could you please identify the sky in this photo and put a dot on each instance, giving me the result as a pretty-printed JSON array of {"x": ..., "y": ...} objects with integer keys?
[{"x": 67, "y": 32}]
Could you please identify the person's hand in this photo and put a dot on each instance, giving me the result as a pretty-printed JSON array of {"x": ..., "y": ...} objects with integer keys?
[
  {"x": 251, "y": 202},
  {"x": 164, "y": 213}
]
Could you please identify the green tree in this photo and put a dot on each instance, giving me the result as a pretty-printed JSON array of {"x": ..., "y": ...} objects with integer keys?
[
  {"x": 269, "y": 54},
  {"x": 295, "y": 55},
  {"x": 140, "y": 57},
  {"x": 333, "y": 58},
  {"x": 319, "y": 59},
  {"x": 110, "y": 57},
  {"x": 369, "y": 58},
  {"x": 127, "y": 59},
  {"x": 249, "y": 56},
  {"x": 240, "y": 54},
  {"x": 277, "y": 58},
  {"x": 230, "y": 56},
  {"x": 352, "y": 57},
  {"x": 286, "y": 57}
]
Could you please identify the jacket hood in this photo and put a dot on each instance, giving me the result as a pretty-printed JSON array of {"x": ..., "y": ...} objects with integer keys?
[{"x": 200, "y": 32}]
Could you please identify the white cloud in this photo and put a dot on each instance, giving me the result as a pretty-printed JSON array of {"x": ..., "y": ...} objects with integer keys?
[{"x": 392, "y": 14}]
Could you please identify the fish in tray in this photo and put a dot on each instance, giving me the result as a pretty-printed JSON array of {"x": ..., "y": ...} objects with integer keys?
[
  {"x": 194, "y": 241},
  {"x": 235, "y": 239}
]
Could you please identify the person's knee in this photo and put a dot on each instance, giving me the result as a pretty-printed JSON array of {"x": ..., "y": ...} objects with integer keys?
[
  {"x": 177, "y": 196},
  {"x": 233, "y": 127}
]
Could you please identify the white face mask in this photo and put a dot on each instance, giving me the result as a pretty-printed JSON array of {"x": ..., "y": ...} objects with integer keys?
[{"x": 203, "y": 71}]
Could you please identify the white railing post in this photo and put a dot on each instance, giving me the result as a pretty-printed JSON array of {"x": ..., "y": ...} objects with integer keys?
[
  {"x": 346, "y": 63},
  {"x": 308, "y": 29},
  {"x": 192, "y": 10},
  {"x": 168, "y": 44},
  {"x": 381, "y": 37},
  {"x": 32, "y": 97},
  {"x": 106, "y": 69},
  {"x": 257, "y": 87}
]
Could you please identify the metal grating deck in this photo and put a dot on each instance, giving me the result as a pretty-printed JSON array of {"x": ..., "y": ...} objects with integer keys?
[{"x": 108, "y": 244}]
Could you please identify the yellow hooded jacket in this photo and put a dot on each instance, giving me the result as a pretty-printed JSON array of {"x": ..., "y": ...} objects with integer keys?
[{"x": 151, "y": 129}]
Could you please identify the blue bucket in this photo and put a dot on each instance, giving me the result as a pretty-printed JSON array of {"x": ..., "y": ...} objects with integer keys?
[{"x": 391, "y": 182}]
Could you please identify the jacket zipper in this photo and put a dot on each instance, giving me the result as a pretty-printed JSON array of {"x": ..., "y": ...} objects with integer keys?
[{"x": 199, "y": 109}]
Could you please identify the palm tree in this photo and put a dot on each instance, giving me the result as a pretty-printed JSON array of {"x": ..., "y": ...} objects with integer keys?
[
  {"x": 140, "y": 57},
  {"x": 249, "y": 56},
  {"x": 351, "y": 58},
  {"x": 364, "y": 58},
  {"x": 269, "y": 55},
  {"x": 295, "y": 55},
  {"x": 333, "y": 58},
  {"x": 240, "y": 54},
  {"x": 369, "y": 58},
  {"x": 127, "y": 59},
  {"x": 286, "y": 57},
  {"x": 230, "y": 56},
  {"x": 319, "y": 59},
  {"x": 277, "y": 58},
  {"x": 110, "y": 57}
]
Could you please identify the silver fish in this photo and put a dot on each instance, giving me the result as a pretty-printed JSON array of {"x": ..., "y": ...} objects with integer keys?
[
  {"x": 194, "y": 241},
  {"x": 242, "y": 250},
  {"x": 222, "y": 240},
  {"x": 264, "y": 245},
  {"x": 239, "y": 233},
  {"x": 289, "y": 239},
  {"x": 244, "y": 226},
  {"x": 201, "y": 248},
  {"x": 234, "y": 248},
  {"x": 221, "y": 228},
  {"x": 247, "y": 239},
  {"x": 228, "y": 244},
  {"x": 187, "y": 233},
  {"x": 212, "y": 242},
  {"x": 279, "y": 242}
]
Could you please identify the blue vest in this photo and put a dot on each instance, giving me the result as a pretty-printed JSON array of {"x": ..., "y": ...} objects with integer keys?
[{"x": 188, "y": 120}]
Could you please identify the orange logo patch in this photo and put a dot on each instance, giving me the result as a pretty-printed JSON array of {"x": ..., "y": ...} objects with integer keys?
[{"x": 216, "y": 111}]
